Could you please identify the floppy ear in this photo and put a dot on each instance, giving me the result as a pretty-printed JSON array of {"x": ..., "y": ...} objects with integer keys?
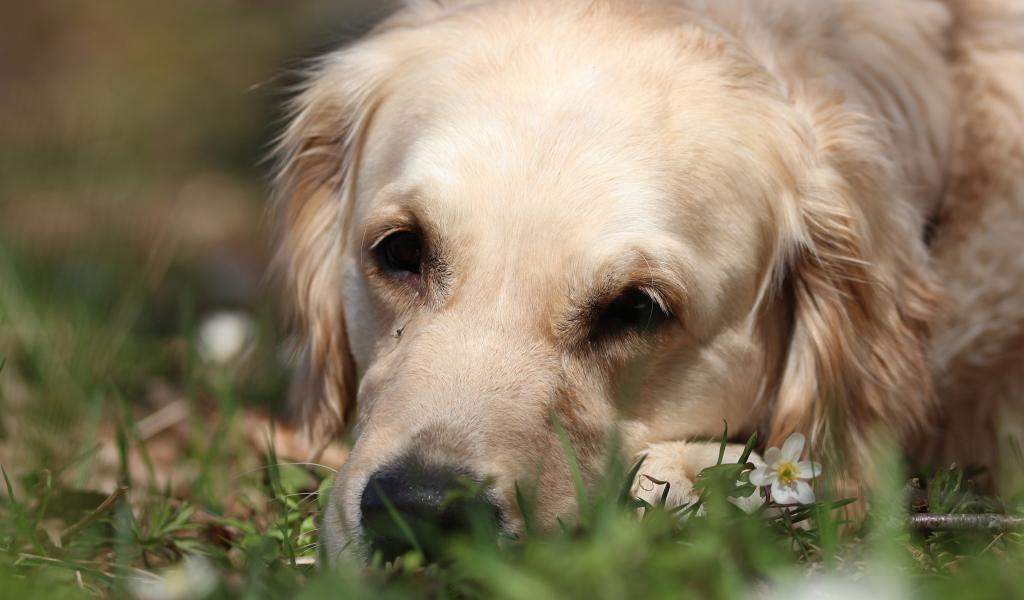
[
  {"x": 864, "y": 301},
  {"x": 311, "y": 202},
  {"x": 316, "y": 157}
]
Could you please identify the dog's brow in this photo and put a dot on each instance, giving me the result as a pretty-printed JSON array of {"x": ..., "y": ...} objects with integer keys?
[
  {"x": 384, "y": 221},
  {"x": 585, "y": 308},
  {"x": 362, "y": 244}
]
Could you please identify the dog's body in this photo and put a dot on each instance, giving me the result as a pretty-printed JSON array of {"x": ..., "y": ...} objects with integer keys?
[{"x": 653, "y": 216}]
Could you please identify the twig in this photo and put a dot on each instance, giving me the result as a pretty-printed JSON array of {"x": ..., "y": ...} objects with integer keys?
[
  {"x": 68, "y": 534},
  {"x": 792, "y": 532},
  {"x": 942, "y": 522},
  {"x": 990, "y": 523},
  {"x": 898, "y": 509},
  {"x": 894, "y": 519},
  {"x": 111, "y": 565},
  {"x": 168, "y": 416},
  {"x": 993, "y": 543}
]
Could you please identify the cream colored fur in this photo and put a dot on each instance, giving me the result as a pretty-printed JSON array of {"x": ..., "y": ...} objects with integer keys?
[{"x": 827, "y": 196}]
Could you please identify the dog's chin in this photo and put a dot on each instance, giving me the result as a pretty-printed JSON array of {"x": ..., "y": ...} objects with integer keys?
[{"x": 379, "y": 543}]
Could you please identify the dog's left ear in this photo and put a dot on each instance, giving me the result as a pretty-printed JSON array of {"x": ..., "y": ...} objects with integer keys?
[{"x": 864, "y": 301}]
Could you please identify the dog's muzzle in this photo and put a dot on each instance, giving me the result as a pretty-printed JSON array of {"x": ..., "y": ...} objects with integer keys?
[{"x": 410, "y": 505}]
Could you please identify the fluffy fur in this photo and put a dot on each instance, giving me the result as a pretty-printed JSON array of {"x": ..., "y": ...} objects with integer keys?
[{"x": 826, "y": 197}]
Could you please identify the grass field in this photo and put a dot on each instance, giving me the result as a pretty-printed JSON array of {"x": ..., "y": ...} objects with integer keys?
[
  {"x": 144, "y": 458},
  {"x": 95, "y": 401}
]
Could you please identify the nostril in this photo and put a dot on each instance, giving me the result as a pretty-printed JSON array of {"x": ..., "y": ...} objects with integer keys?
[
  {"x": 409, "y": 496},
  {"x": 418, "y": 497}
]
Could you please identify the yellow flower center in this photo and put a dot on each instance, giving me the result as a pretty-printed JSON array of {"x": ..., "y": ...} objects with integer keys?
[{"x": 787, "y": 473}]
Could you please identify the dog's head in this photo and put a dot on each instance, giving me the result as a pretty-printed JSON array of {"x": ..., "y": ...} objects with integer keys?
[{"x": 607, "y": 212}]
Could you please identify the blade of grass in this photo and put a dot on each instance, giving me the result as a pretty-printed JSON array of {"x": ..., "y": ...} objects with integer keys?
[
  {"x": 48, "y": 478},
  {"x": 122, "y": 452},
  {"x": 638, "y": 503},
  {"x": 88, "y": 447},
  {"x": 748, "y": 449},
  {"x": 21, "y": 518},
  {"x": 87, "y": 572},
  {"x": 397, "y": 518},
  {"x": 212, "y": 458},
  {"x": 574, "y": 467},
  {"x": 277, "y": 491},
  {"x": 627, "y": 483},
  {"x": 725, "y": 438},
  {"x": 796, "y": 536},
  {"x": 692, "y": 509},
  {"x": 525, "y": 509},
  {"x": 287, "y": 543},
  {"x": 132, "y": 433}
]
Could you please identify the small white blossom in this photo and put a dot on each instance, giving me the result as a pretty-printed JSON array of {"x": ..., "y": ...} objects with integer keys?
[
  {"x": 224, "y": 336},
  {"x": 749, "y": 504},
  {"x": 877, "y": 585},
  {"x": 191, "y": 579},
  {"x": 786, "y": 473}
]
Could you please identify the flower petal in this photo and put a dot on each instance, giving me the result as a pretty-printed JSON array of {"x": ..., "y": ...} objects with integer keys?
[
  {"x": 782, "y": 494},
  {"x": 772, "y": 458},
  {"x": 749, "y": 504},
  {"x": 802, "y": 492},
  {"x": 808, "y": 469},
  {"x": 793, "y": 448},
  {"x": 763, "y": 476}
]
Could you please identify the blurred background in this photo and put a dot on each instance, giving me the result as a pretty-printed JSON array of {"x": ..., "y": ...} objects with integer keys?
[{"x": 141, "y": 342}]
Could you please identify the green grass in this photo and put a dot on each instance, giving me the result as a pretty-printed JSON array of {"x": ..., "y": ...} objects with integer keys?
[{"x": 233, "y": 522}]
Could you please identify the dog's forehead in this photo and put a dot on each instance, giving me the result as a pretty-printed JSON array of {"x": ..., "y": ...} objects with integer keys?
[
  {"x": 582, "y": 150},
  {"x": 547, "y": 151},
  {"x": 570, "y": 187}
]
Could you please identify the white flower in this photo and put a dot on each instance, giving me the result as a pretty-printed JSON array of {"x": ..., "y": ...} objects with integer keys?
[
  {"x": 225, "y": 335},
  {"x": 191, "y": 579},
  {"x": 876, "y": 583},
  {"x": 786, "y": 476}
]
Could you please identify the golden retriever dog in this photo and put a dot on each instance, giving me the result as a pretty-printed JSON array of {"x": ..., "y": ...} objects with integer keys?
[{"x": 650, "y": 218}]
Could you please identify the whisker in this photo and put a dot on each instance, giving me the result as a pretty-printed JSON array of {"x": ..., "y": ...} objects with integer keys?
[
  {"x": 305, "y": 547},
  {"x": 298, "y": 505},
  {"x": 275, "y": 498},
  {"x": 296, "y": 538},
  {"x": 335, "y": 471}
]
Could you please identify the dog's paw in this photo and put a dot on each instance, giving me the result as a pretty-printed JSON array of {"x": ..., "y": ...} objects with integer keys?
[{"x": 677, "y": 464}]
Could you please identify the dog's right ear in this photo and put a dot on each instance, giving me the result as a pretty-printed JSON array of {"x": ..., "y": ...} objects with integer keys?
[
  {"x": 314, "y": 187},
  {"x": 317, "y": 157}
]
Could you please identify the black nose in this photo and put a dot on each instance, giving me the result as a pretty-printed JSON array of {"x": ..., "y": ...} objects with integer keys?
[{"x": 429, "y": 506}]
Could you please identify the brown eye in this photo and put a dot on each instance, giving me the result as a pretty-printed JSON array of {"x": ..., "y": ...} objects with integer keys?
[
  {"x": 632, "y": 311},
  {"x": 402, "y": 252}
]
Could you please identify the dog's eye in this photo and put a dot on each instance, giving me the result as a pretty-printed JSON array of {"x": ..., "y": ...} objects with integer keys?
[
  {"x": 634, "y": 310},
  {"x": 403, "y": 251}
]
